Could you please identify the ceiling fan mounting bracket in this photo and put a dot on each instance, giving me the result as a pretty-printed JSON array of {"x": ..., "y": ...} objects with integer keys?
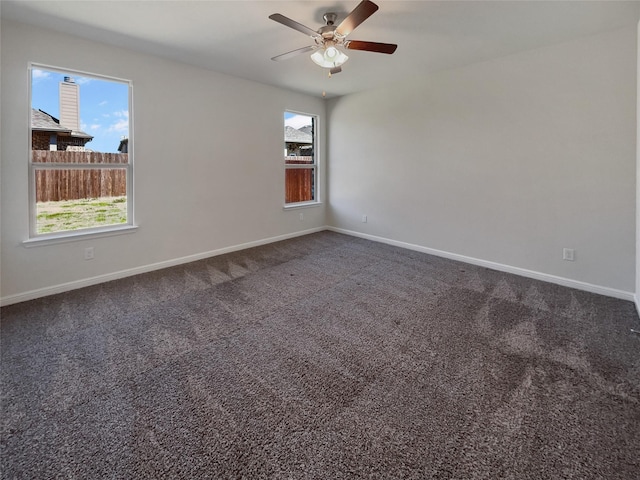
[{"x": 330, "y": 18}]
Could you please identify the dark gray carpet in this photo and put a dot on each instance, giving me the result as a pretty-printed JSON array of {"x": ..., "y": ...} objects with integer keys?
[{"x": 321, "y": 357}]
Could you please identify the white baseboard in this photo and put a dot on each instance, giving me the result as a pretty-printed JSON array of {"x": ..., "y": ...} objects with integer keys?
[
  {"x": 86, "y": 282},
  {"x": 64, "y": 287},
  {"x": 566, "y": 282}
]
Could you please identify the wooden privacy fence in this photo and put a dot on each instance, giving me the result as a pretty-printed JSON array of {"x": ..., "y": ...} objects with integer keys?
[
  {"x": 299, "y": 182},
  {"x": 53, "y": 185}
]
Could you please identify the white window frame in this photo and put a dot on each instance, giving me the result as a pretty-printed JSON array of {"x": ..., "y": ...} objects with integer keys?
[
  {"x": 70, "y": 235},
  {"x": 315, "y": 166}
]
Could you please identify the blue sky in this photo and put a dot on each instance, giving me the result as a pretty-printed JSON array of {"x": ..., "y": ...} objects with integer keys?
[{"x": 104, "y": 106}]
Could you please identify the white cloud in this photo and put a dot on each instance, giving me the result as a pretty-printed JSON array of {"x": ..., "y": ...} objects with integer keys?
[
  {"x": 103, "y": 103},
  {"x": 94, "y": 126},
  {"x": 82, "y": 80},
  {"x": 39, "y": 74},
  {"x": 121, "y": 125},
  {"x": 298, "y": 121}
]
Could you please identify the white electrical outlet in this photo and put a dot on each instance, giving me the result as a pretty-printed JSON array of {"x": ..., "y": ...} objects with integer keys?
[
  {"x": 88, "y": 253},
  {"x": 568, "y": 254},
  {"x": 364, "y": 219}
]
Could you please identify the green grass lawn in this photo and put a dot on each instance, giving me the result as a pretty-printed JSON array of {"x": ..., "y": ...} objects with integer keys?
[{"x": 77, "y": 214}]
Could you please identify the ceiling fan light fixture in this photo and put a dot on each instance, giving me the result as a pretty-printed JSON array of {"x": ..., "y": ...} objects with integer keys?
[
  {"x": 329, "y": 57},
  {"x": 331, "y": 53}
]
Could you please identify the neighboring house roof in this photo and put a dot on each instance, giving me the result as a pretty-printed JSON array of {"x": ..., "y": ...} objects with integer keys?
[
  {"x": 48, "y": 123},
  {"x": 124, "y": 145},
  {"x": 308, "y": 129},
  {"x": 43, "y": 121},
  {"x": 291, "y": 135}
]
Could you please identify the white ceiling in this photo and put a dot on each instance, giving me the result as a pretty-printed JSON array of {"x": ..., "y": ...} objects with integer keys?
[{"x": 237, "y": 37}]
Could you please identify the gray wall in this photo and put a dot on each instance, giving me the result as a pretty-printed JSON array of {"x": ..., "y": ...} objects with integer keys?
[
  {"x": 502, "y": 162},
  {"x": 209, "y": 171}
]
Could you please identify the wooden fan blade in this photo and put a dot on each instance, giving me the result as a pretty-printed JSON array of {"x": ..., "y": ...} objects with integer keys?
[
  {"x": 371, "y": 46},
  {"x": 294, "y": 53},
  {"x": 287, "y": 22},
  {"x": 358, "y": 15}
]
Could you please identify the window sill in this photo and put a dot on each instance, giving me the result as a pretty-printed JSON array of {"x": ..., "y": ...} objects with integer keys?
[
  {"x": 292, "y": 206},
  {"x": 57, "y": 238}
]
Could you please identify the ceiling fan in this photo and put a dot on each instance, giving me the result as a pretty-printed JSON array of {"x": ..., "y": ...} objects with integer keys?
[{"x": 330, "y": 38}]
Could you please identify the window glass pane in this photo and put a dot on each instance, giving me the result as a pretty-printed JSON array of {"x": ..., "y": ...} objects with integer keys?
[
  {"x": 76, "y": 199},
  {"x": 82, "y": 122},
  {"x": 71, "y": 111},
  {"x": 299, "y": 157},
  {"x": 300, "y": 185}
]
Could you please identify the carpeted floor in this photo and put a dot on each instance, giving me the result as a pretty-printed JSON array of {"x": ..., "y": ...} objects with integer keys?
[{"x": 321, "y": 357}]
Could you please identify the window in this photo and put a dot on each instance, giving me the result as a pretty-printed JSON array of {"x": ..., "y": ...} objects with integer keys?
[
  {"x": 301, "y": 168},
  {"x": 81, "y": 170}
]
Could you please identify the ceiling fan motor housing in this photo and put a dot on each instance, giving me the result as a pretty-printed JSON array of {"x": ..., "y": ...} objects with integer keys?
[{"x": 327, "y": 32}]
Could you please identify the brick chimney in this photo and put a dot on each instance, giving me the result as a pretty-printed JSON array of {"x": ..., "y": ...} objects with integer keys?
[{"x": 70, "y": 104}]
